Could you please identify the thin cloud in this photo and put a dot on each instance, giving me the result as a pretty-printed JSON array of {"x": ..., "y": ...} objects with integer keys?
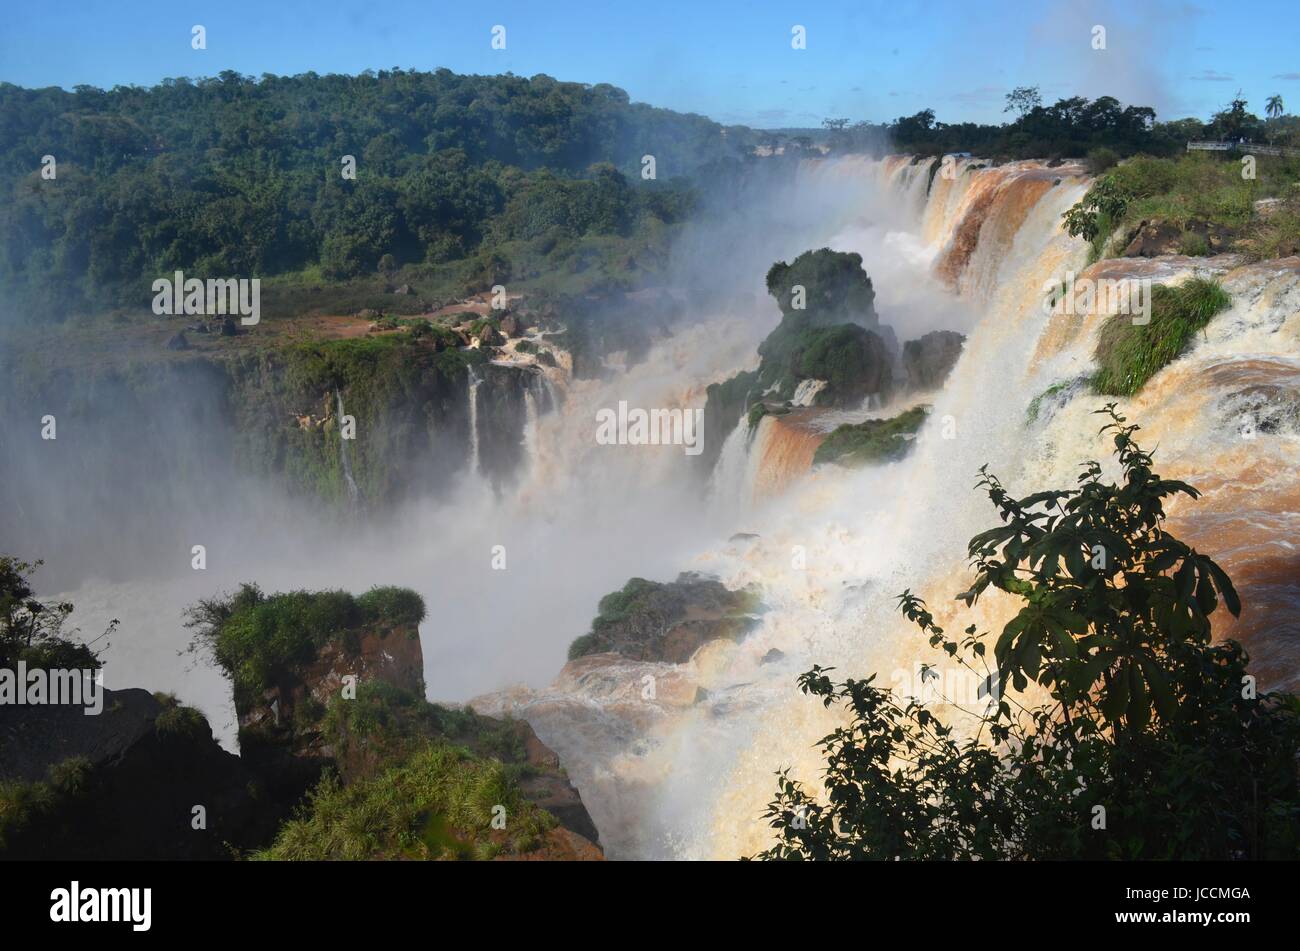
[
  {"x": 1291, "y": 76},
  {"x": 1211, "y": 76}
]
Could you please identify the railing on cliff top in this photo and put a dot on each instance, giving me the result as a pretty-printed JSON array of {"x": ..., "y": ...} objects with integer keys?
[{"x": 1241, "y": 147}]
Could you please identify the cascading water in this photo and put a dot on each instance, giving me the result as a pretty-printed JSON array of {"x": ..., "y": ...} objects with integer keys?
[
  {"x": 475, "y": 381},
  {"x": 681, "y": 773},
  {"x": 673, "y": 776},
  {"x": 354, "y": 494}
]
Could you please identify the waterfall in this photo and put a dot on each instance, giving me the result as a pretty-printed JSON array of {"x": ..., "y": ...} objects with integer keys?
[
  {"x": 474, "y": 382},
  {"x": 354, "y": 494},
  {"x": 687, "y": 773},
  {"x": 531, "y": 421},
  {"x": 806, "y": 392},
  {"x": 831, "y": 553}
]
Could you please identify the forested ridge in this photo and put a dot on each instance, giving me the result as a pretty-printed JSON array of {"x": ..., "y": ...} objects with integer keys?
[{"x": 240, "y": 176}]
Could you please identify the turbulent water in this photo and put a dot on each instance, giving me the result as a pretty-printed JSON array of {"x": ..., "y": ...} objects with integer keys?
[
  {"x": 671, "y": 775},
  {"x": 511, "y": 577}
]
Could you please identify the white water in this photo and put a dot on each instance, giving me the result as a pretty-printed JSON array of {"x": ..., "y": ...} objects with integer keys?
[
  {"x": 666, "y": 776},
  {"x": 354, "y": 494},
  {"x": 475, "y": 381},
  {"x": 672, "y": 777}
]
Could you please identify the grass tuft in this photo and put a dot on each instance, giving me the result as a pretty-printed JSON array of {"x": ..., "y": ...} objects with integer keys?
[{"x": 1128, "y": 355}]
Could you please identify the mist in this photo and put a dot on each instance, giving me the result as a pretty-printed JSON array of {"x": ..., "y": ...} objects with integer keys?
[{"x": 116, "y": 503}]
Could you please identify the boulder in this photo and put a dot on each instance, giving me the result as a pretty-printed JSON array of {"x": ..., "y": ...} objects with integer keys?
[
  {"x": 928, "y": 360},
  {"x": 1156, "y": 238},
  {"x": 490, "y": 337},
  {"x": 667, "y": 622}
]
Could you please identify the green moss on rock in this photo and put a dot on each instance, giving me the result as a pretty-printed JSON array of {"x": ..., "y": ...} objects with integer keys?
[
  {"x": 1129, "y": 354},
  {"x": 871, "y": 441}
]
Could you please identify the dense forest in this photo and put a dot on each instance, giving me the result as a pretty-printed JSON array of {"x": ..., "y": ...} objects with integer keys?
[
  {"x": 470, "y": 180},
  {"x": 1067, "y": 128},
  {"x": 240, "y": 176}
]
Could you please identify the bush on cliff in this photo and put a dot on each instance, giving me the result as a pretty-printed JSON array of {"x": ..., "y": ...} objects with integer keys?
[
  {"x": 439, "y": 803},
  {"x": 33, "y": 631},
  {"x": 826, "y": 333},
  {"x": 656, "y": 621},
  {"x": 1129, "y": 354},
  {"x": 1151, "y": 742},
  {"x": 255, "y": 638},
  {"x": 1186, "y": 191}
]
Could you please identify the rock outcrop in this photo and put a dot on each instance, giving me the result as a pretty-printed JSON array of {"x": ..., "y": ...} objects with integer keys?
[
  {"x": 1155, "y": 238},
  {"x": 929, "y": 359},
  {"x": 330, "y": 699},
  {"x": 654, "y": 621},
  {"x": 143, "y": 779}
]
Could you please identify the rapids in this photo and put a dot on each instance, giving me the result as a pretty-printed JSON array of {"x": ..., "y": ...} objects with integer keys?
[
  {"x": 668, "y": 769},
  {"x": 680, "y": 771}
]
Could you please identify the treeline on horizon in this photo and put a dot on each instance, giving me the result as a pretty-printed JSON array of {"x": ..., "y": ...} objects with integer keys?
[
  {"x": 476, "y": 180},
  {"x": 1068, "y": 128},
  {"x": 240, "y": 176}
]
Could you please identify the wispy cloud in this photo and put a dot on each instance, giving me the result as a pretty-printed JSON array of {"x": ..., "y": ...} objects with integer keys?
[
  {"x": 1291, "y": 76},
  {"x": 1211, "y": 76}
]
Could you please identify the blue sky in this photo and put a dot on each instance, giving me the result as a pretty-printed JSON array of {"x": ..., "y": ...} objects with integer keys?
[{"x": 731, "y": 61}]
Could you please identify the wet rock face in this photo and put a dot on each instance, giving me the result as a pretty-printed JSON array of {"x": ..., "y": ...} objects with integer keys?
[
  {"x": 502, "y": 416},
  {"x": 652, "y": 621},
  {"x": 928, "y": 360}
]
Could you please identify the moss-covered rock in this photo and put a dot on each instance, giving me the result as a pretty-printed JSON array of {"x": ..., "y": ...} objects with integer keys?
[
  {"x": 871, "y": 441},
  {"x": 668, "y": 622},
  {"x": 330, "y": 700}
]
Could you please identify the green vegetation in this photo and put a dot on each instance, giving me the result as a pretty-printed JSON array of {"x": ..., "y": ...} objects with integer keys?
[
  {"x": 33, "y": 806},
  {"x": 33, "y": 631},
  {"x": 1128, "y": 355},
  {"x": 386, "y": 383},
  {"x": 179, "y": 722},
  {"x": 438, "y": 804},
  {"x": 460, "y": 182},
  {"x": 1192, "y": 191},
  {"x": 827, "y": 304},
  {"x": 1149, "y": 741},
  {"x": 1058, "y": 392},
  {"x": 257, "y": 638},
  {"x": 826, "y": 337},
  {"x": 835, "y": 289},
  {"x": 871, "y": 441},
  {"x": 1074, "y": 127},
  {"x": 635, "y": 620}
]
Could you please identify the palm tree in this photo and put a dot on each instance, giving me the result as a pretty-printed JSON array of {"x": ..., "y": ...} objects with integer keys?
[{"x": 1273, "y": 107}]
